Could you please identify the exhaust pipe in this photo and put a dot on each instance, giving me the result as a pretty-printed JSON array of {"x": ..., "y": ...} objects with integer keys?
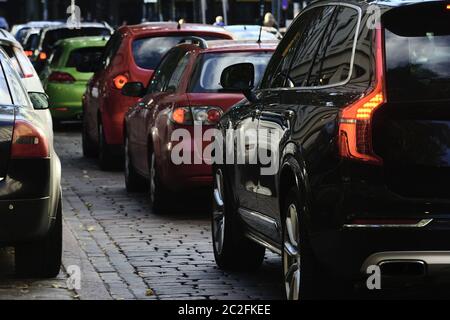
[{"x": 403, "y": 268}]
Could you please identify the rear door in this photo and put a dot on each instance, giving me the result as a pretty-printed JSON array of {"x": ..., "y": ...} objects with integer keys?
[{"x": 412, "y": 131}]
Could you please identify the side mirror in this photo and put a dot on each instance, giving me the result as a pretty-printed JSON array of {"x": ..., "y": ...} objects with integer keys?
[
  {"x": 238, "y": 77},
  {"x": 39, "y": 100},
  {"x": 133, "y": 89}
]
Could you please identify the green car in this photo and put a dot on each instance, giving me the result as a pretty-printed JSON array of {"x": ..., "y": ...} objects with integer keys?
[{"x": 64, "y": 84}]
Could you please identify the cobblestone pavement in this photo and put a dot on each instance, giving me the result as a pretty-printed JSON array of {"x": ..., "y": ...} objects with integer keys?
[{"x": 129, "y": 253}]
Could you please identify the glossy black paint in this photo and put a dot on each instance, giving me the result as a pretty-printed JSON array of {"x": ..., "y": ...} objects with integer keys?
[{"x": 413, "y": 141}]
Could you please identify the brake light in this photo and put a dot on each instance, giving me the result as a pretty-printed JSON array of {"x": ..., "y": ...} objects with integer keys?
[
  {"x": 61, "y": 77},
  {"x": 28, "y": 53},
  {"x": 43, "y": 56},
  {"x": 448, "y": 7},
  {"x": 355, "y": 124},
  {"x": 182, "y": 115},
  {"x": 206, "y": 115},
  {"x": 28, "y": 142},
  {"x": 120, "y": 81}
]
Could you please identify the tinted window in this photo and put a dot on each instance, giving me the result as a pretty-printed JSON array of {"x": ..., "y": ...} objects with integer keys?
[
  {"x": 78, "y": 56},
  {"x": 418, "y": 58},
  {"x": 148, "y": 52},
  {"x": 164, "y": 72},
  {"x": 12, "y": 57},
  {"x": 316, "y": 24},
  {"x": 206, "y": 77},
  {"x": 111, "y": 48},
  {"x": 53, "y": 36},
  {"x": 31, "y": 42},
  {"x": 177, "y": 75},
  {"x": 56, "y": 56},
  {"x": 18, "y": 92},
  {"x": 333, "y": 62},
  {"x": 5, "y": 97}
]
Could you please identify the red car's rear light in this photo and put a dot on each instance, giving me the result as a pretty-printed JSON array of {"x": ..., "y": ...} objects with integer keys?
[
  {"x": 120, "y": 81},
  {"x": 203, "y": 114},
  {"x": 28, "y": 142},
  {"x": 448, "y": 7},
  {"x": 61, "y": 77},
  {"x": 355, "y": 124}
]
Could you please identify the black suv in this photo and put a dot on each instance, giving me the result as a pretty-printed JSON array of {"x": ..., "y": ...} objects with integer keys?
[{"x": 354, "y": 113}]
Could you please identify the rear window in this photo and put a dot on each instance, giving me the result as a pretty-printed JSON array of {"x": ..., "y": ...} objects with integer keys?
[
  {"x": 418, "y": 54},
  {"x": 148, "y": 52},
  {"x": 53, "y": 36},
  {"x": 206, "y": 77},
  {"x": 78, "y": 56}
]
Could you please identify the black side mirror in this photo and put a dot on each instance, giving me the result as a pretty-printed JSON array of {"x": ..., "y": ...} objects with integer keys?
[
  {"x": 39, "y": 100},
  {"x": 133, "y": 89},
  {"x": 238, "y": 77}
]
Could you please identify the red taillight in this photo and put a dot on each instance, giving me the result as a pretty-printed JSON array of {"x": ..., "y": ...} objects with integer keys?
[
  {"x": 28, "y": 53},
  {"x": 214, "y": 115},
  {"x": 120, "y": 81},
  {"x": 182, "y": 115},
  {"x": 43, "y": 56},
  {"x": 355, "y": 124},
  {"x": 28, "y": 142},
  {"x": 61, "y": 77},
  {"x": 448, "y": 7}
]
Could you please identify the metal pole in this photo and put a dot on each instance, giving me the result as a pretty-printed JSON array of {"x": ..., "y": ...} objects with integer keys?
[
  {"x": 225, "y": 11},
  {"x": 44, "y": 10},
  {"x": 203, "y": 9}
]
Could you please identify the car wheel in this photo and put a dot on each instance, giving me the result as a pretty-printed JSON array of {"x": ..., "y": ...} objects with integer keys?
[
  {"x": 159, "y": 195},
  {"x": 232, "y": 249},
  {"x": 42, "y": 258},
  {"x": 89, "y": 149},
  {"x": 299, "y": 263},
  {"x": 105, "y": 158},
  {"x": 133, "y": 181}
]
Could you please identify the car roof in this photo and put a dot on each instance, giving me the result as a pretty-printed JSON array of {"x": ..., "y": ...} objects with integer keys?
[
  {"x": 149, "y": 27},
  {"x": 83, "y": 25},
  {"x": 386, "y": 3},
  {"x": 5, "y": 36},
  {"x": 84, "y": 41},
  {"x": 217, "y": 46}
]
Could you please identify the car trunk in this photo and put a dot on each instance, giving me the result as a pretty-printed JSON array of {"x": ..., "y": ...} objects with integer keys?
[
  {"x": 411, "y": 132},
  {"x": 6, "y": 133}
]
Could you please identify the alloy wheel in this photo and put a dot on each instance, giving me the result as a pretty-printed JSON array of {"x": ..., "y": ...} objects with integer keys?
[
  {"x": 218, "y": 224},
  {"x": 291, "y": 254}
]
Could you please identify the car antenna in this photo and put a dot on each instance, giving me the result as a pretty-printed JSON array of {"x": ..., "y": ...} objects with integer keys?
[{"x": 260, "y": 32}]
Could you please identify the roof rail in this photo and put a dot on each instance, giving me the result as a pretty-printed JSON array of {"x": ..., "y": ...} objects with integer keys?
[{"x": 196, "y": 41}]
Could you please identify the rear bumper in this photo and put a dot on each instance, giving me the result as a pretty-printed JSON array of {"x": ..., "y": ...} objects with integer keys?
[{"x": 24, "y": 220}]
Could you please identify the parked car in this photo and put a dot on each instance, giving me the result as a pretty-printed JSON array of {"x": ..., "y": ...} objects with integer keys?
[
  {"x": 62, "y": 79},
  {"x": 30, "y": 170},
  {"x": 355, "y": 115},
  {"x": 183, "y": 93},
  {"x": 131, "y": 55},
  {"x": 48, "y": 37},
  {"x": 19, "y": 31},
  {"x": 252, "y": 32}
]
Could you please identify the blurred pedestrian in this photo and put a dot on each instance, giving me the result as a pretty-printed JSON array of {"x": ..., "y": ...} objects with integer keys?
[
  {"x": 181, "y": 21},
  {"x": 269, "y": 21},
  {"x": 219, "y": 22}
]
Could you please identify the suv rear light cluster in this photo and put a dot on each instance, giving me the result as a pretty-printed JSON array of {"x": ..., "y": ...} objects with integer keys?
[
  {"x": 206, "y": 115},
  {"x": 355, "y": 124},
  {"x": 29, "y": 142},
  {"x": 61, "y": 77}
]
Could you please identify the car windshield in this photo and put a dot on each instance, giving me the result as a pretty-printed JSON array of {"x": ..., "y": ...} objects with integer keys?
[
  {"x": 418, "y": 61},
  {"x": 53, "y": 36},
  {"x": 78, "y": 56},
  {"x": 206, "y": 78},
  {"x": 148, "y": 52}
]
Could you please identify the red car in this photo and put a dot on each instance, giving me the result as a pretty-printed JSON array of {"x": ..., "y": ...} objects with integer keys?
[
  {"x": 184, "y": 89},
  {"x": 131, "y": 54}
]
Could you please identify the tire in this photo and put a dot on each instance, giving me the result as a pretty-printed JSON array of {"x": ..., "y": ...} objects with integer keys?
[
  {"x": 89, "y": 148},
  {"x": 159, "y": 195},
  {"x": 42, "y": 258},
  {"x": 105, "y": 158},
  {"x": 133, "y": 181},
  {"x": 232, "y": 249}
]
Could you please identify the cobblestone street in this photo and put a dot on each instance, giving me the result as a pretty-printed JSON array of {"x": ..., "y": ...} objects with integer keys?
[{"x": 126, "y": 252}]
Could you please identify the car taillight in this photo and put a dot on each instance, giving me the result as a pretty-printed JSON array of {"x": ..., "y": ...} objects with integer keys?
[
  {"x": 355, "y": 123},
  {"x": 204, "y": 115},
  {"x": 120, "y": 81},
  {"x": 28, "y": 53},
  {"x": 42, "y": 56},
  {"x": 61, "y": 77},
  {"x": 28, "y": 142}
]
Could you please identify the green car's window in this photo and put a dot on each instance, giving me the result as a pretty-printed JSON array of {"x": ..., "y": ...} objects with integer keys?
[{"x": 78, "y": 56}]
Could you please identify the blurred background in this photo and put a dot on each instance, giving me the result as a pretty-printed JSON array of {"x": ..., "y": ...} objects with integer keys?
[{"x": 119, "y": 12}]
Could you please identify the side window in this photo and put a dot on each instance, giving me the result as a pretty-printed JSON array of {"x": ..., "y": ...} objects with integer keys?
[
  {"x": 111, "y": 48},
  {"x": 54, "y": 59},
  {"x": 18, "y": 92},
  {"x": 308, "y": 45},
  {"x": 177, "y": 75},
  {"x": 5, "y": 97},
  {"x": 334, "y": 58},
  {"x": 164, "y": 72}
]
